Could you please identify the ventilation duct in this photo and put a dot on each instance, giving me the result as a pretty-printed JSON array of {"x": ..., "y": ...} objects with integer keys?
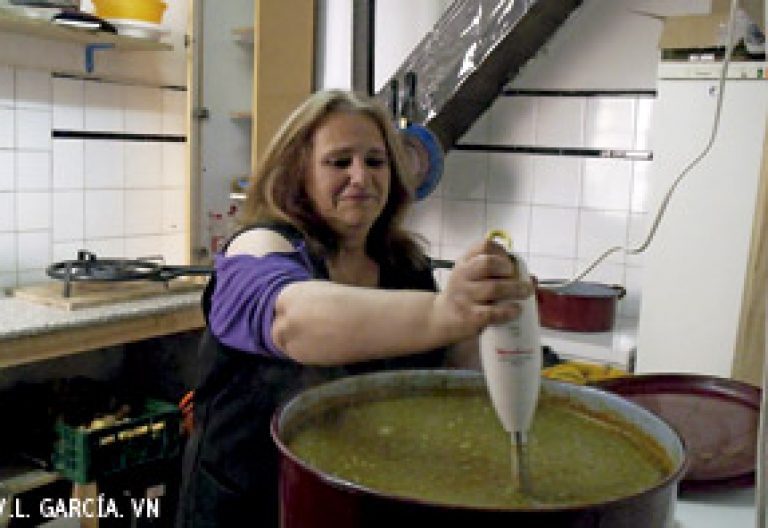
[{"x": 462, "y": 64}]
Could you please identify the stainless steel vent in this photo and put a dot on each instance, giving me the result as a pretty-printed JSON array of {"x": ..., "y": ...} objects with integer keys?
[{"x": 460, "y": 66}]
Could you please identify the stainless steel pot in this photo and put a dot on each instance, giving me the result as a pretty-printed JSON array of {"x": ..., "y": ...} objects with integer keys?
[{"x": 313, "y": 499}]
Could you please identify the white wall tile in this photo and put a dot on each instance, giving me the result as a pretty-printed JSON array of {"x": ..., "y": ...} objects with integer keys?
[
  {"x": 103, "y": 107},
  {"x": 104, "y": 214},
  {"x": 557, "y": 180},
  {"x": 465, "y": 175},
  {"x": 610, "y": 123},
  {"x": 143, "y": 109},
  {"x": 607, "y": 272},
  {"x": 7, "y": 252},
  {"x": 441, "y": 277},
  {"x": 7, "y": 170},
  {"x": 480, "y": 131},
  {"x": 7, "y": 97},
  {"x": 33, "y": 170},
  {"x": 7, "y": 211},
  {"x": 643, "y": 127},
  {"x": 425, "y": 218},
  {"x": 68, "y": 104},
  {"x": 600, "y": 231},
  {"x": 68, "y": 216},
  {"x": 143, "y": 212},
  {"x": 630, "y": 305},
  {"x": 174, "y": 211},
  {"x": 144, "y": 246},
  {"x": 34, "y": 250},
  {"x": 641, "y": 183},
  {"x": 553, "y": 231},
  {"x": 33, "y": 211},
  {"x": 560, "y": 122},
  {"x": 143, "y": 165},
  {"x": 512, "y": 218},
  {"x": 68, "y": 164},
  {"x": 550, "y": 268},
  {"x": 174, "y": 112},
  {"x": 32, "y": 276},
  {"x": 637, "y": 233},
  {"x": 33, "y": 129},
  {"x": 607, "y": 184},
  {"x": 104, "y": 165},
  {"x": 510, "y": 178},
  {"x": 174, "y": 249},
  {"x": 453, "y": 253},
  {"x": 106, "y": 247},
  {"x": 33, "y": 89},
  {"x": 175, "y": 165},
  {"x": 7, "y": 128},
  {"x": 66, "y": 250},
  {"x": 513, "y": 120},
  {"x": 7, "y": 282},
  {"x": 463, "y": 222}
]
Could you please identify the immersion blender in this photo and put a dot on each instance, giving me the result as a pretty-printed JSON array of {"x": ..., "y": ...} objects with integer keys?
[{"x": 510, "y": 355}]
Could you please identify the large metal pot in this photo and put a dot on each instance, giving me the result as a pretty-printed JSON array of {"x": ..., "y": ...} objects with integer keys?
[
  {"x": 313, "y": 499},
  {"x": 578, "y": 307}
]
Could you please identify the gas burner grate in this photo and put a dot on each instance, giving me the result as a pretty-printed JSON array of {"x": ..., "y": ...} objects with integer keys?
[{"x": 87, "y": 267}]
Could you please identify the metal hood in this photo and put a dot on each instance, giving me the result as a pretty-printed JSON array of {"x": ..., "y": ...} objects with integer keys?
[{"x": 463, "y": 63}]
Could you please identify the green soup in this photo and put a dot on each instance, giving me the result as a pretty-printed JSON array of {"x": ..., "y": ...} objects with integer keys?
[{"x": 451, "y": 448}]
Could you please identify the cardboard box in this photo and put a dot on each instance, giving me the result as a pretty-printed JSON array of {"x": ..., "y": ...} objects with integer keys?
[{"x": 692, "y": 32}]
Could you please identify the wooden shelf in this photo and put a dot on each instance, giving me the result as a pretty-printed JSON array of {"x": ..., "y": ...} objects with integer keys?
[
  {"x": 13, "y": 23},
  {"x": 241, "y": 116},
  {"x": 243, "y": 34}
]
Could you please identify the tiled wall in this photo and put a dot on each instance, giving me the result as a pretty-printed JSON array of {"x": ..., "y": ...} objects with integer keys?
[
  {"x": 120, "y": 194},
  {"x": 562, "y": 211}
]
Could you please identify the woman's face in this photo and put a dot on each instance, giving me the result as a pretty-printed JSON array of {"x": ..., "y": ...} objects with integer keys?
[{"x": 349, "y": 174}]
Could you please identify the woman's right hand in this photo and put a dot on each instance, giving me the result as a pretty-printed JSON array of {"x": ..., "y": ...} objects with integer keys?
[{"x": 482, "y": 289}]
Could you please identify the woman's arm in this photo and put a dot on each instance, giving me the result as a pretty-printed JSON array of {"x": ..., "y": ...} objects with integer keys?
[{"x": 323, "y": 323}]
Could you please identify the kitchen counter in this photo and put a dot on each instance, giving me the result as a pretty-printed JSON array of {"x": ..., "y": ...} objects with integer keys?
[
  {"x": 730, "y": 509},
  {"x": 30, "y": 332},
  {"x": 614, "y": 348}
]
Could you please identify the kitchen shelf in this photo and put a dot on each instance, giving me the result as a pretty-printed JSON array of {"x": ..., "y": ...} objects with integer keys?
[
  {"x": 241, "y": 116},
  {"x": 237, "y": 197},
  {"x": 243, "y": 34},
  {"x": 14, "y": 23}
]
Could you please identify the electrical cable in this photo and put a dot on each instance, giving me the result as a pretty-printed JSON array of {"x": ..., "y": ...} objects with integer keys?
[{"x": 668, "y": 195}]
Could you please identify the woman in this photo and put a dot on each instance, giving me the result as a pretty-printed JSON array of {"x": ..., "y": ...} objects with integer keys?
[{"x": 322, "y": 282}]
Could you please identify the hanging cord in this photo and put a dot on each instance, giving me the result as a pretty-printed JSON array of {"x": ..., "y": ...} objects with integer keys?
[
  {"x": 668, "y": 195},
  {"x": 760, "y": 491}
]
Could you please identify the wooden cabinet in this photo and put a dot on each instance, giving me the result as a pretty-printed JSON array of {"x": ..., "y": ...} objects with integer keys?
[{"x": 283, "y": 65}]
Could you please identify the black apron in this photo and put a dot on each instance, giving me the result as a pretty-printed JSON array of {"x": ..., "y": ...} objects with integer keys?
[{"x": 230, "y": 466}]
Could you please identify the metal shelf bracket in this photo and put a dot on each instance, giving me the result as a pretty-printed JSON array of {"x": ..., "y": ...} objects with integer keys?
[{"x": 90, "y": 49}]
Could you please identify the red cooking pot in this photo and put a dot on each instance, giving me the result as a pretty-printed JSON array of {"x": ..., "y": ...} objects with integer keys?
[{"x": 579, "y": 306}]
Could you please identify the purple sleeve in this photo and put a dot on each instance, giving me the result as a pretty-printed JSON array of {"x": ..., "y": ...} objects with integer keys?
[{"x": 244, "y": 298}]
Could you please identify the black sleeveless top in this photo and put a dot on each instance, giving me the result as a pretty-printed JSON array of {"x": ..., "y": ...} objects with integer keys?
[{"x": 230, "y": 469}]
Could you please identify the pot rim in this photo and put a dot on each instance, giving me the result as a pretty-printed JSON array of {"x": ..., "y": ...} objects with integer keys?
[
  {"x": 344, "y": 485},
  {"x": 580, "y": 289}
]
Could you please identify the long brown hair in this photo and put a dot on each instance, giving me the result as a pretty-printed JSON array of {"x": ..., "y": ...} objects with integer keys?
[{"x": 277, "y": 193}]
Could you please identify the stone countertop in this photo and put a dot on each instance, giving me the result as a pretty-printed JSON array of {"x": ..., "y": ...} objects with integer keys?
[
  {"x": 21, "y": 318},
  {"x": 614, "y": 347}
]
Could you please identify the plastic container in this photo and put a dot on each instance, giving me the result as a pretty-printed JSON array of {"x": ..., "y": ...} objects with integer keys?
[
  {"x": 85, "y": 455},
  {"x": 142, "y": 10}
]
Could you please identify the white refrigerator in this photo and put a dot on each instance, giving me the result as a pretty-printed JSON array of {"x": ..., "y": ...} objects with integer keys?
[{"x": 695, "y": 269}]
